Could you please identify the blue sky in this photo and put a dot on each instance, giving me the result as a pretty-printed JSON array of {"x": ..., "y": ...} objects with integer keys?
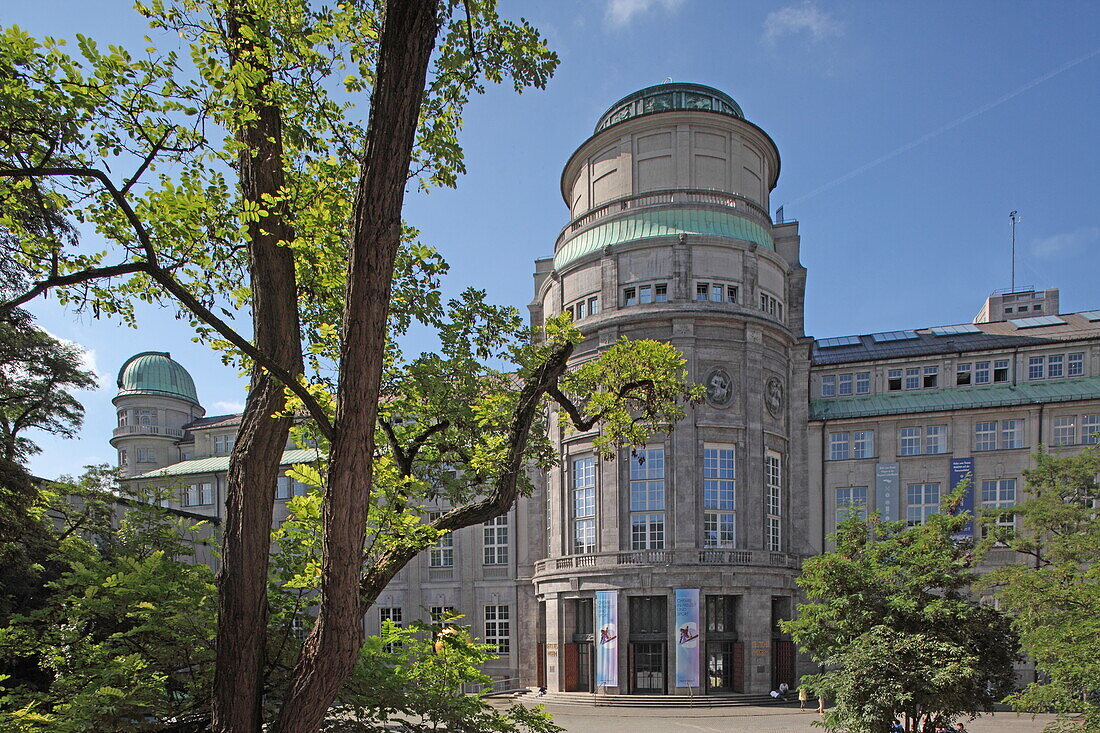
[{"x": 907, "y": 131}]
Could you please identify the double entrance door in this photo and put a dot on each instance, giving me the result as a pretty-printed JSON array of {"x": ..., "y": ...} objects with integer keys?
[
  {"x": 648, "y": 667},
  {"x": 725, "y": 666}
]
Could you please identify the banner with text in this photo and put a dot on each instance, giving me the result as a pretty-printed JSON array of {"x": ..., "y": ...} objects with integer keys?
[
  {"x": 887, "y": 499},
  {"x": 961, "y": 469},
  {"x": 687, "y": 633},
  {"x": 607, "y": 638}
]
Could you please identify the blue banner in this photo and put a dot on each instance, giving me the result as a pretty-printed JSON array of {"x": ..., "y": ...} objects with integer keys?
[
  {"x": 887, "y": 500},
  {"x": 607, "y": 638},
  {"x": 687, "y": 637},
  {"x": 961, "y": 469}
]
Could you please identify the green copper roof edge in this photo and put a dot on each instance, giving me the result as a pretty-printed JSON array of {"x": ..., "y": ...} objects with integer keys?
[
  {"x": 956, "y": 398},
  {"x": 215, "y": 464},
  {"x": 662, "y": 223}
]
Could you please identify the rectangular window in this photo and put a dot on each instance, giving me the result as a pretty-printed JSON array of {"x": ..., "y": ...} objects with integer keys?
[
  {"x": 645, "y": 294},
  {"x": 985, "y": 436},
  {"x": 863, "y": 383},
  {"x": 845, "y": 386},
  {"x": 593, "y": 305},
  {"x": 1090, "y": 429},
  {"x": 1055, "y": 366},
  {"x": 495, "y": 534},
  {"x": 839, "y": 446},
  {"x": 442, "y": 553},
  {"x": 147, "y": 417},
  {"x": 123, "y": 418},
  {"x": 931, "y": 377},
  {"x": 921, "y": 501},
  {"x": 1012, "y": 434},
  {"x": 773, "y": 480},
  {"x": 580, "y": 310},
  {"x": 1036, "y": 367},
  {"x": 863, "y": 444},
  {"x": 981, "y": 372},
  {"x": 702, "y": 291},
  {"x": 223, "y": 444},
  {"x": 910, "y": 442},
  {"x": 828, "y": 386},
  {"x": 719, "y": 496},
  {"x": 147, "y": 455},
  {"x": 630, "y": 296},
  {"x": 660, "y": 293},
  {"x": 717, "y": 293},
  {"x": 851, "y": 501},
  {"x": 935, "y": 439},
  {"x": 1076, "y": 365},
  {"x": 894, "y": 379},
  {"x": 997, "y": 494},
  {"x": 584, "y": 505},
  {"x": 198, "y": 495},
  {"x": 122, "y": 457},
  {"x": 498, "y": 628},
  {"x": 912, "y": 378},
  {"x": 438, "y": 613},
  {"x": 962, "y": 374},
  {"x": 1001, "y": 370},
  {"x": 1065, "y": 430},
  {"x": 393, "y": 615},
  {"x": 284, "y": 487},
  {"x": 731, "y": 293},
  {"x": 647, "y": 494}
]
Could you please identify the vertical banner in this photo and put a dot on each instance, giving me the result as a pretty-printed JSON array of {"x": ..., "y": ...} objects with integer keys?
[
  {"x": 963, "y": 468},
  {"x": 607, "y": 638},
  {"x": 687, "y": 637},
  {"x": 887, "y": 500}
]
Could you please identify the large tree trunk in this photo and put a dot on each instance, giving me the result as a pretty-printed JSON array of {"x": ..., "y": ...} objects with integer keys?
[
  {"x": 254, "y": 463},
  {"x": 330, "y": 651}
]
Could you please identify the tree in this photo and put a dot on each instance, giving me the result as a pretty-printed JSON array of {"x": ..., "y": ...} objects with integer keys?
[
  {"x": 889, "y": 616},
  {"x": 1053, "y": 597},
  {"x": 312, "y": 224}
]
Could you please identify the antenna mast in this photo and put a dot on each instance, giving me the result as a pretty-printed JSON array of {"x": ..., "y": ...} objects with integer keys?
[{"x": 1012, "y": 217}]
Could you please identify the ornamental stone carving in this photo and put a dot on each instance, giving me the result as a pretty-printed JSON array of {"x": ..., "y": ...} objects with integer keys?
[
  {"x": 719, "y": 387},
  {"x": 773, "y": 396}
]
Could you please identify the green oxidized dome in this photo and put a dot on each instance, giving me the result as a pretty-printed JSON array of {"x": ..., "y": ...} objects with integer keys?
[
  {"x": 155, "y": 373},
  {"x": 667, "y": 97}
]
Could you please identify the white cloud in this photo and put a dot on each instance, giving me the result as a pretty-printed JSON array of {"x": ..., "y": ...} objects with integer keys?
[
  {"x": 230, "y": 407},
  {"x": 88, "y": 361},
  {"x": 804, "y": 17},
  {"x": 1065, "y": 244},
  {"x": 621, "y": 12}
]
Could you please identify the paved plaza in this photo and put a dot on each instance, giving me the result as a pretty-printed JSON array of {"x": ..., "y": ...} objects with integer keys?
[{"x": 747, "y": 719}]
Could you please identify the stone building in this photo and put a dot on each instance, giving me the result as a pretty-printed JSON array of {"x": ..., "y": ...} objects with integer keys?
[{"x": 666, "y": 570}]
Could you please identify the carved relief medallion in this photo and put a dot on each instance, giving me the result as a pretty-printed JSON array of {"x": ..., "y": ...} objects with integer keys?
[
  {"x": 719, "y": 387},
  {"x": 773, "y": 396}
]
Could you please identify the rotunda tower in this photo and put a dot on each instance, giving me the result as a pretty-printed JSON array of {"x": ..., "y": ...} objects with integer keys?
[
  {"x": 686, "y": 549},
  {"x": 156, "y": 399}
]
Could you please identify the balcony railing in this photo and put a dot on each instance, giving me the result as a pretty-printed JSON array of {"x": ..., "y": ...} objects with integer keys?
[
  {"x": 148, "y": 430},
  {"x": 595, "y": 561},
  {"x": 706, "y": 197}
]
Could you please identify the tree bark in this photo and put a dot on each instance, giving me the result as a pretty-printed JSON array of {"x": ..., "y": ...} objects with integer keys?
[
  {"x": 332, "y": 647},
  {"x": 257, "y": 454}
]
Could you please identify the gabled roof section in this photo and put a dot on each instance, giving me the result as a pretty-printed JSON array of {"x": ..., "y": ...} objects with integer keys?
[
  {"x": 217, "y": 464},
  {"x": 956, "y": 398},
  {"x": 956, "y": 339}
]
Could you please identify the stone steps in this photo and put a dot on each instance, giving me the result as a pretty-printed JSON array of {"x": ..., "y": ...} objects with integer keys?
[{"x": 587, "y": 699}]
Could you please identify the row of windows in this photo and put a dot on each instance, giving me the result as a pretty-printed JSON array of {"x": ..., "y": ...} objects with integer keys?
[
  {"x": 139, "y": 416},
  {"x": 647, "y": 500},
  {"x": 993, "y": 371},
  {"x": 494, "y": 544},
  {"x": 497, "y": 618},
  {"x": 143, "y": 455},
  {"x": 988, "y": 435},
  {"x": 923, "y": 500}
]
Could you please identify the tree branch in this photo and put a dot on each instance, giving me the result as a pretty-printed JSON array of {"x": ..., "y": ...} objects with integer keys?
[
  {"x": 164, "y": 278},
  {"x": 581, "y": 422}
]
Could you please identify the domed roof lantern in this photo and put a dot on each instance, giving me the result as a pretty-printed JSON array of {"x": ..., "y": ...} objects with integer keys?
[
  {"x": 667, "y": 97},
  {"x": 156, "y": 373}
]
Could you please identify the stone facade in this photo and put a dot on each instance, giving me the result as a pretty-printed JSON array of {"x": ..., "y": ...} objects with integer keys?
[{"x": 670, "y": 238}]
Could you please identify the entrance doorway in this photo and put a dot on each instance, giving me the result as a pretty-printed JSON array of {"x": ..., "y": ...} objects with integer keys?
[
  {"x": 647, "y": 667},
  {"x": 578, "y": 667}
]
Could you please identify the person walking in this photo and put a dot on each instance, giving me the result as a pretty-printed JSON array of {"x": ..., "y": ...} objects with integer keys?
[
  {"x": 821, "y": 704},
  {"x": 803, "y": 697}
]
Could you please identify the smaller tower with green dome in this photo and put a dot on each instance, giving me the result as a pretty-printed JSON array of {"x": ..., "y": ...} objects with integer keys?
[{"x": 156, "y": 399}]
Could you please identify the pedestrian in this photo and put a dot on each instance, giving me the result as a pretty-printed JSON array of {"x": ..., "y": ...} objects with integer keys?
[
  {"x": 803, "y": 697},
  {"x": 896, "y": 727},
  {"x": 821, "y": 704},
  {"x": 960, "y": 728},
  {"x": 784, "y": 688}
]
